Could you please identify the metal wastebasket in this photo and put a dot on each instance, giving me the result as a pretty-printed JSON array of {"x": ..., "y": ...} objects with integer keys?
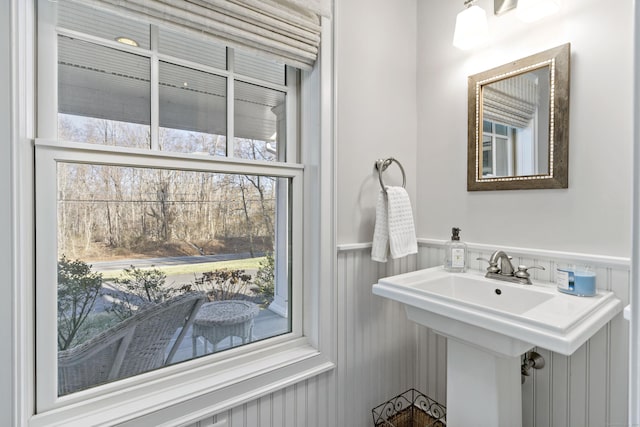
[{"x": 410, "y": 409}]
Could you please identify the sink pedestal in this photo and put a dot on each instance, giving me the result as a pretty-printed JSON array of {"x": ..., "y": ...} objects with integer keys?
[
  {"x": 483, "y": 372},
  {"x": 483, "y": 389}
]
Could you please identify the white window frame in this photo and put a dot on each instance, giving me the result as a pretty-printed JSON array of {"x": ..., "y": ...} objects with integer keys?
[
  {"x": 494, "y": 147},
  {"x": 48, "y": 155},
  {"x": 515, "y": 162},
  {"x": 184, "y": 393}
]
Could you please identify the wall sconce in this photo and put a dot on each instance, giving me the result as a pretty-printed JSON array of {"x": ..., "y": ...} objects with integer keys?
[
  {"x": 471, "y": 24},
  {"x": 471, "y": 27}
]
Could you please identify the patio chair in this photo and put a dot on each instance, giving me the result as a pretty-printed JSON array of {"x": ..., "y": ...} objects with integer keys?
[{"x": 135, "y": 345}]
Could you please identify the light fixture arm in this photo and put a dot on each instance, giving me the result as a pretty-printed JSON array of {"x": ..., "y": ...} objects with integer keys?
[
  {"x": 471, "y": 24},
  {"x": 535, "y": 9},
  {"x": 502, "y": 6}
]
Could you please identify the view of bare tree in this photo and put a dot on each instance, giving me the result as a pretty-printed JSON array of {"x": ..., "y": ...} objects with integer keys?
[{"x": 115, "y": 211}]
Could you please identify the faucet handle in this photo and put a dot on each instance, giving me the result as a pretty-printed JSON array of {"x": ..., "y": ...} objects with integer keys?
[
  {"x": 493, "y": 266},
  {"x": 522, "y": 272}
]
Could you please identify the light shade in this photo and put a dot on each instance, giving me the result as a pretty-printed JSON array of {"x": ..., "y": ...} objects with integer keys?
[
  {"x": 532, "y": 10},
  {"x": 128, "y": 41},
  {"x": 471, "y": 28}
]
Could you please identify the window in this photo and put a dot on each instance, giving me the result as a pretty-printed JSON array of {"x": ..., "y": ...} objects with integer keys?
[
  {"x": 497, "y": 149},
  {"x": 165, "y": 166},
  {"x": 508, "y": 151}
]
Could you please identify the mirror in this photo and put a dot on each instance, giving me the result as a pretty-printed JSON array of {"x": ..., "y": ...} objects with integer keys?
[{"x": 518, "y": 133}]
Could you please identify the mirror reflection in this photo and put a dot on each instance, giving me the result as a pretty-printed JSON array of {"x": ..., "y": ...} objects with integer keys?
[{"x": 515, "y": 125}]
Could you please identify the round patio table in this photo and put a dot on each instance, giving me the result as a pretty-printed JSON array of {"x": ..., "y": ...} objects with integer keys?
[{"x": 218, "y": 320}]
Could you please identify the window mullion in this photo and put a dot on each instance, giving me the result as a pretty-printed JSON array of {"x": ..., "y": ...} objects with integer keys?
[
  {"x": 230, "y": 103},
  {"x": 155, "y": 90},
  {"x": 291, "y": 137}
]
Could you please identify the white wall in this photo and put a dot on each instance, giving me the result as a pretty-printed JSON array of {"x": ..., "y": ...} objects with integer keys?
[
  {"x": 594, "y": 214},
  {"x": 375, "y": 58},
  {"x": 6, "y": 289}
]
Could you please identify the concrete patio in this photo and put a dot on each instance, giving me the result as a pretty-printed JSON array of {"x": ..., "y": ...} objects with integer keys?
[{"x": 266, "y": 324}]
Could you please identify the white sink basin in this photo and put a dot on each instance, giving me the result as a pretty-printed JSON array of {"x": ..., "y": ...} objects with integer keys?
[
  {"x": 489, "y": 324},
  {"x": 507, "y": 318},
  {"x": 472, "y": 290}
]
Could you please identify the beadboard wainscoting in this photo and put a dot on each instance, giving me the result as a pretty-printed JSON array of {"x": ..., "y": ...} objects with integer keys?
[
  {"x": 381, "y": 354},
  {"x": 377, "y": 345},
  {"x": 302, "y": 404}
]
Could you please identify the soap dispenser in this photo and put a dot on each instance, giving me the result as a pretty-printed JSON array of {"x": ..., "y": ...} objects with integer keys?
[{"x": 455, "y": 258}]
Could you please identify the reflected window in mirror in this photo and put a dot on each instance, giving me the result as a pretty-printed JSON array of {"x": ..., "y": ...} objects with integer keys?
[{"x": 498, "y": 146}]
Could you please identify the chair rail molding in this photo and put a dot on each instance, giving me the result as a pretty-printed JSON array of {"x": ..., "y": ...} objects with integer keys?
[{"x": 542, "y": 253}]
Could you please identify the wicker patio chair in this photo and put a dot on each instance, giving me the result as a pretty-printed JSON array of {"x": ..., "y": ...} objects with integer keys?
[{"x": 136, "y": 345}]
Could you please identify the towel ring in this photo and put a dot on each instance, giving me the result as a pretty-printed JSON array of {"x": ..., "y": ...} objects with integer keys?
[{"x": 382, "y": 165}]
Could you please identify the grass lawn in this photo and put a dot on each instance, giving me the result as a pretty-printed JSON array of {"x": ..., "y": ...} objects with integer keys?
[{"x": 172, "y": 270}]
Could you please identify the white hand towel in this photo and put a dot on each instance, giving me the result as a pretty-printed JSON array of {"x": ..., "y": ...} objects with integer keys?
[
  {"x": 394, "y": 227},
  {"x": 381, "y": 230},
  {"x": 402, "y": 232}
]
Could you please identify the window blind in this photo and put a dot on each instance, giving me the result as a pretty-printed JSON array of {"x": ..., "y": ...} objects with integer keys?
[
  {"x": 284, "y": 30},
  {"x": 511, "y": 101}
]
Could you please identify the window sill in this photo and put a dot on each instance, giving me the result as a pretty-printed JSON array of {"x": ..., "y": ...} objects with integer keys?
[{"x": 185, "y": 393}]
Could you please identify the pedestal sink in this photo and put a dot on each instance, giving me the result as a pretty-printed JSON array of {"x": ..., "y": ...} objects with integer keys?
[{"x": 489, "y": 324}]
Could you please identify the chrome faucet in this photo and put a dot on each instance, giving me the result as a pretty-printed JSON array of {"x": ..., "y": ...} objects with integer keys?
[
  {"x": 500, "y": 268},
  {"x": 506, "y": 268}
]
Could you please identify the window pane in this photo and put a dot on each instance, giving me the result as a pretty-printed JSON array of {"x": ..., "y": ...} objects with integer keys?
[
  {"x": 134, "y": 241},
  {"x": 487, "y": 126},
  {"x": 487, "y": 155},
  {"x": 193, "y": 107},
  {"x": 88, "y": 20},
  {"x": 260, "y": 122},
  {"x": 103, "y": 95},
  {"x": 502, "y": 157},
  {"x": 501, "y": 129},
  {"x": 249, "y": 64},
  {"x": 192, "y": 49}
]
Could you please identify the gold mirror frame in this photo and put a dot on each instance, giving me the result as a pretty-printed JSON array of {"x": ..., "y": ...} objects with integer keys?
[{"x": 558, "y": 61}]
